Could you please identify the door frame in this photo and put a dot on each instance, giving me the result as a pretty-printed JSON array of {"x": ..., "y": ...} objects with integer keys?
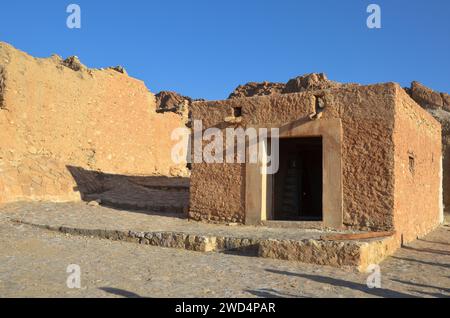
[{"x": 259, "y": 185}]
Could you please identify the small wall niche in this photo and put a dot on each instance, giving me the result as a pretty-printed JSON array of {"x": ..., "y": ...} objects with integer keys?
[{"x": 237, "y": 112}]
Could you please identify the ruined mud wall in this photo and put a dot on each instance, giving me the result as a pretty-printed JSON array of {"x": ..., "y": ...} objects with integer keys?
[
  {"x": 59, "y": 114},
  {"x": 218, "y": 190},
  {"x": 418, "y": 154}
]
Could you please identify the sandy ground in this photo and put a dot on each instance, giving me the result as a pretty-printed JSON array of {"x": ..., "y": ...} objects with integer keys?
[{"x": 33, "y": 263}]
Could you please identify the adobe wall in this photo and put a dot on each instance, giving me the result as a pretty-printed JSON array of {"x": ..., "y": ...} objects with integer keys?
[
  {"x": 418, "y": 169},
  {"x": 438, "y": 105},
  {"x": 367, "y": 115},
  {"x": 56, "y": 114},
  {"x": 434, "y": 102}
]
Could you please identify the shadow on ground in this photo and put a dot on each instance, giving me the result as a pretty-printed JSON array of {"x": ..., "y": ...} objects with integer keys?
[
  {"x": 445, "y": 290},
  {"x": 159, "y": 195},
  {"x": 120, "y": 292},
  {"x": 270, "y": 293},
  {"x": 426, "y": 250},
  {"x": 378, "y": 292},
  {"x": 444, "y": 265}
]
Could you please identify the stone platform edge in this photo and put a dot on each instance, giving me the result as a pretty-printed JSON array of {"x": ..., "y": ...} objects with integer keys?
[{"x": 356, "y": 254}]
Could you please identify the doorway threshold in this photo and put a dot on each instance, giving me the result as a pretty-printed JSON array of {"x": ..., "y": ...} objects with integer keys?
[{"x": 315, "y": 225}]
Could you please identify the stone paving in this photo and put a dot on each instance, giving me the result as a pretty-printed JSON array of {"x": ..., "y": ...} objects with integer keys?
[
  {"x": 174, "y": 231},
  {"x": 81, "y": 215},
  {"x": 299, "y": 244},
  {"x": 33, "y": 263}
]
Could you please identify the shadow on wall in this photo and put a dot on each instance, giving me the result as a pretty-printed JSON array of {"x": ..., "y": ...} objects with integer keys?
[
  {"x": 151, "y": 193},
  {"x": 446, "y": 174},
  {"x": 88, "y": 182}
]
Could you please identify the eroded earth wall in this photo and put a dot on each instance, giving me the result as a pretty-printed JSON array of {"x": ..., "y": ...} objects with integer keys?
[
  {"x": 418, "y": 170},
  {"x": 58, "y": 115}
]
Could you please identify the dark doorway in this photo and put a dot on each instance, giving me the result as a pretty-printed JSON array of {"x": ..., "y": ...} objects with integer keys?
[{"x": 298, "y": 182}]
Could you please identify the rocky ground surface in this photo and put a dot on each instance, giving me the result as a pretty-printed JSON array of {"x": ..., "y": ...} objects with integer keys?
[{"x": 33, "y": 263}]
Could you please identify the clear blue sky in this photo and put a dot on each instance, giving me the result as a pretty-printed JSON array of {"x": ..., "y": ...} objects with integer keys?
[{"x": 205, "y": 48}]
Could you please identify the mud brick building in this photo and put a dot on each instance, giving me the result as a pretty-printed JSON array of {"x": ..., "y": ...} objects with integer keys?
[{"x": 353, "y": 157}]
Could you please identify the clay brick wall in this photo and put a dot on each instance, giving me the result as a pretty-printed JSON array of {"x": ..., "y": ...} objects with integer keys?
[
  {"x": 367, "y": 114},
  {"x": 418, "y": 169},
  {"x": 54, "y": 117}
]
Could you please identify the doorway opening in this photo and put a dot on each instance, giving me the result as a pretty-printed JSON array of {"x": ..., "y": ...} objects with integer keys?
[{"x": 298, "y": 184}]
